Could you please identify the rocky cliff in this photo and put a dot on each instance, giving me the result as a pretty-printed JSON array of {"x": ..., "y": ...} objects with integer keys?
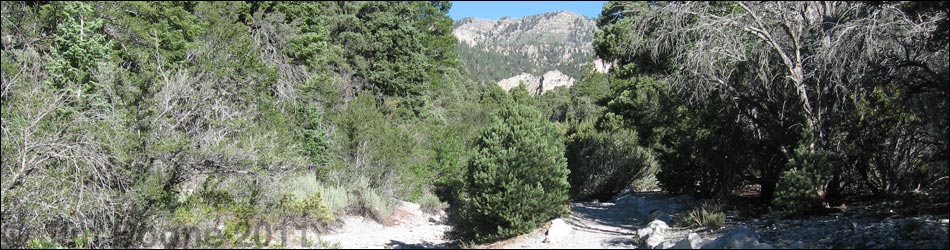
[
  {"x": 537, "y": 84},
  {"x": 512, "y": 50}
]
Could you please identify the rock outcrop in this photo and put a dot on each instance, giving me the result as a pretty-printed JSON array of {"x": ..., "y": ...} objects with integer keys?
[
  {"x": 559, "y": 40},
  {"x": 537, "y": 85},
  {"x": 549, "y": 38}
]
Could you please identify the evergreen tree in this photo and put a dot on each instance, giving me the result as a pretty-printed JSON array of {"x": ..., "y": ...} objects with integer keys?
[{"x": 517, "y": 177}]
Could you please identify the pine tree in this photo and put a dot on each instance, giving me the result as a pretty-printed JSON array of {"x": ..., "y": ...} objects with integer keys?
[{"x": 517, "y": 177}]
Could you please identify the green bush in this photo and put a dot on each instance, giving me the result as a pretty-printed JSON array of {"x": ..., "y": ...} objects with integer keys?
[
  {"x": 603, "y": 164},
  {"x": 311, "y": 207},
  {"x": 708, "y": 215},
  {"x": 799, "y": 187},
  {"x": 430, "y": 204},
  {"x": 517, "y": 177}
]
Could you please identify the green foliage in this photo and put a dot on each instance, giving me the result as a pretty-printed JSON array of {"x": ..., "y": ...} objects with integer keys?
[
  {"x": 431, "y": 204},
  {"x": 311, "y": 207},
  {"x": 488, "y": 67},
  {"x": 603, "y": 164},
  {"x": 393, "y": 46},
  {"x": 237, "y": 92},
  {"x": 370, "y": 202},
  {"x": 802, "y": 186},
  {"x": 517, "y": 177},
  {"x": 315, "y": 143},
  {"x": 717, "y": 122},
  {"x": 708, "y": 215},
  {"x": 374, "y": 147},
  {"x": 78, "y": 46},
  {"x": 41, "y": 243}
]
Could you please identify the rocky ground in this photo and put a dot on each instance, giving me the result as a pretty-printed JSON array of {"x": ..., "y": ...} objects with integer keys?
[
  {"x": 645, "y": 220},
  {"x": 868, "y": 232}
]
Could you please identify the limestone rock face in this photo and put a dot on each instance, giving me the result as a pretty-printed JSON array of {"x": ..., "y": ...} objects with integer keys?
[
  {"x": 551, "y": 41},
  {"x": 553, "y": 79},
  {"x": 546, "y": 38},
  {"x": 537, "y": 85},
  {"x": 530, "y": 81}
]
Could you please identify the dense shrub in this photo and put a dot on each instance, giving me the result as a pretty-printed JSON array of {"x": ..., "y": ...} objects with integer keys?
[
  {"x": 603, "y": 164},
  {"x": 801, "y": 186},
  {"x": 517, "y": 177}
]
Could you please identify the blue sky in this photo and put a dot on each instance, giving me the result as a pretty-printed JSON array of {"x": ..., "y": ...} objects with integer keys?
[{"x": 518, "y": 9}]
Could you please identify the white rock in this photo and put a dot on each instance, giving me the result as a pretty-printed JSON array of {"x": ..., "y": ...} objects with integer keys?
[
  {"x": 664, "y": 245},
  {"x": 653, "y": 241},
  {"x": 692, "y": 241},
  {"x": 537, "y": 85},
  {"x": 653, "y": 234},
  {"x": 658, "y": 225},
  {"x": 530, "y": 81},
  {"x": 553, "y": 79},
  {"x": 558, "y": 231},
  {"x": 740, "y": 238}
]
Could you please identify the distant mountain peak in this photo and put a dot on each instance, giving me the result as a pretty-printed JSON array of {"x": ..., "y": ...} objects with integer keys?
[{"x": 554, "y": 41}]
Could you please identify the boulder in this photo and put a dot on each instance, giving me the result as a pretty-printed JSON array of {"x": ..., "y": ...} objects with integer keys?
[
  {"x": 653, "y": 234},
  {"x": 558, "y": 231},
  {"x": 664, "y": 245},
  {"x": 553, "y": 79},
  {"x": 692, "y": 241},
  {"x": 654, "y": 227},
  {"x": 531, "y": 82},
  {"x": 653, "y": 241},
  {"x": 739, "y": 238}
]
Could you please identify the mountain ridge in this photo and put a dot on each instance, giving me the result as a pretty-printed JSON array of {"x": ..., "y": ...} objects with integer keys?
[{"x": 498, "y": 49}]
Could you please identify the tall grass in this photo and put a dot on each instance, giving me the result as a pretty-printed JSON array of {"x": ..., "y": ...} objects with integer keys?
[
  {"x": 357, "y": 197},
  {"x": 708, "y": 215}
]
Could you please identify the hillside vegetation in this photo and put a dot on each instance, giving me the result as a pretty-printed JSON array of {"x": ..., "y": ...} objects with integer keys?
[{"x": 124, "y": 119}]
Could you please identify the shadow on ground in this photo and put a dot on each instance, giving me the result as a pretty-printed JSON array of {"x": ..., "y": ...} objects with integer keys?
[
  {"x": 395, "y": 244},
  {"x": 606, "y": 214}
]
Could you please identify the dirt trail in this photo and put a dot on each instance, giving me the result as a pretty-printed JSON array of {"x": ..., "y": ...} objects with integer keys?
[
  {"x": 412, "y": 229},
  {"x": 593, "y": 225},
  {"x": 614, "y": 225}
]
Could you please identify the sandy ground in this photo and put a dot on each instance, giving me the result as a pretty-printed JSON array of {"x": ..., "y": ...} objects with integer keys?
[
  {"x": 593, "y": 224},
  {"x": 412, "y": 229}
]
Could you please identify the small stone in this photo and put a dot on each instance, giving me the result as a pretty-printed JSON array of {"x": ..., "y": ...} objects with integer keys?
[{"x": 870, "y": 244}]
